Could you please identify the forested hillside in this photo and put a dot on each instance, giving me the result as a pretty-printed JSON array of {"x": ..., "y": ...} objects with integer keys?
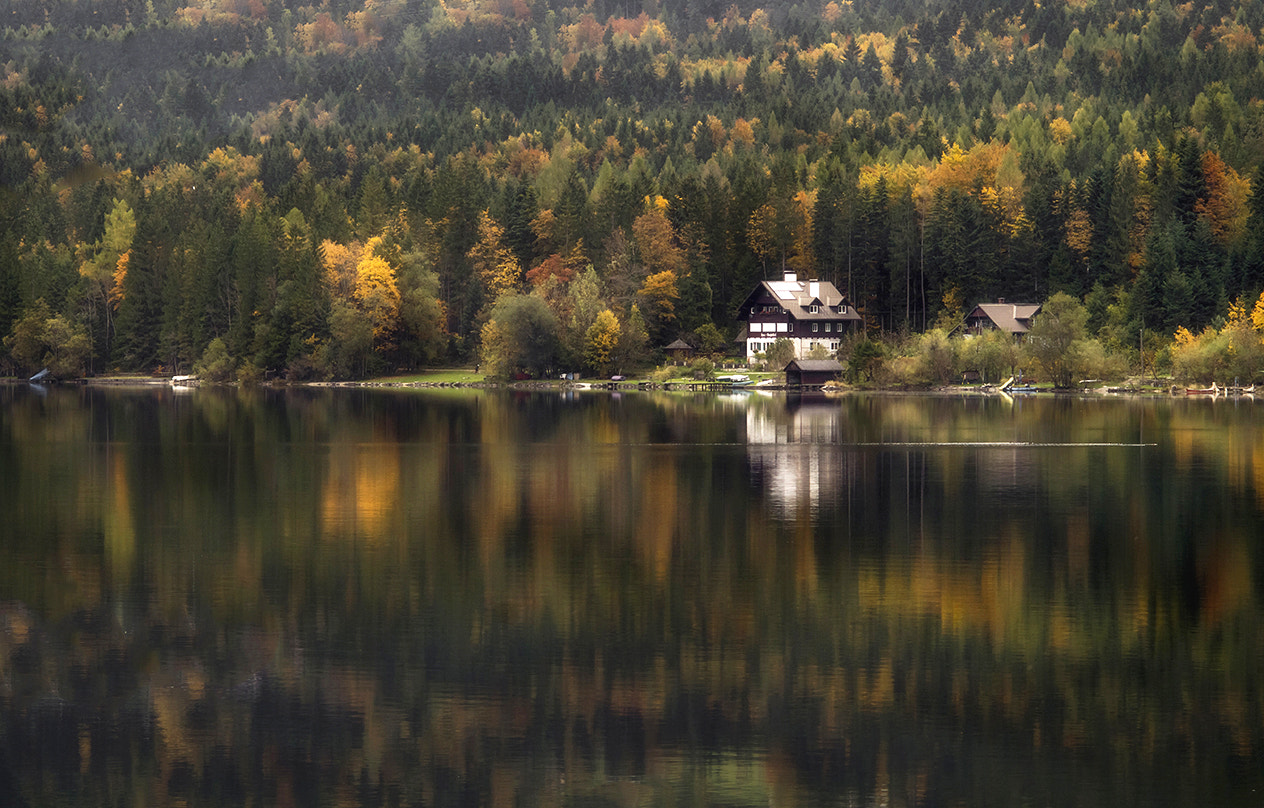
[{"x": 356, "y": 186}]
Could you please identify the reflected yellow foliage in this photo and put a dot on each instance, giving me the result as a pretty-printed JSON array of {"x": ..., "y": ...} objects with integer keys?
[
  {"x": 448, "y": 574},
  {"x": 118, "y": 525},
  {"x": 361, "y": 494}
]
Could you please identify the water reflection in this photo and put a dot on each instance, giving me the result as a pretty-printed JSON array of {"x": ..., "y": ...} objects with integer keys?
[{"x": 386, "y": 598}]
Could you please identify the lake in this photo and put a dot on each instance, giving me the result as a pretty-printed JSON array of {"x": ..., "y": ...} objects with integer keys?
[{"x": 375, "y": 597}]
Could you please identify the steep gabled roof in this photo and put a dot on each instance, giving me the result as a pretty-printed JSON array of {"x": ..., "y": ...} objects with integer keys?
[
  {"x": 1012, "y": 318},
  {"x": 796, "y": 296},
  {"x": 817, "y": 365},
  {"x": 679, "y": 345}
]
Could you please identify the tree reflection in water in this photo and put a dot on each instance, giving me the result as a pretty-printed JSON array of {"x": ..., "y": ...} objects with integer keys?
[{"x": 407, "y": 598}]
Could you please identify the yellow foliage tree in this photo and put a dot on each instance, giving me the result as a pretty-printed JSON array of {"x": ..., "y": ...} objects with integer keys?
[
  {"x": 377, "y": 294},
  {"x": 106, "y": 270},
  {"x": 760, "y": 234},
  {"x": 339, "y": 262},
  {"x": 656, "y": 241},
  {"x": 120, "y": 275},
  {"x": 494, "y": 353},
  {"x": 964, "y": 170},
  {"x": 495, "y": 263},
  {"x": 801, "y": 254},
  {"x": 659, "y": 294},
  {"x": 1257, "y": 314},
  {"x": 601, "y": 342},
  {"x": 1225, "y": 207}
]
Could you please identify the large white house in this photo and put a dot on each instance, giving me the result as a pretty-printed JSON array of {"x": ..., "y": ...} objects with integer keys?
[{"x": 808, "y": 313}]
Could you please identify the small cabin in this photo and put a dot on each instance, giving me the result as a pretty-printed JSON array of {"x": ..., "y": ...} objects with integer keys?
[
  {"x": 679, "y": 351},
  {"x": 812, "y": 372}
]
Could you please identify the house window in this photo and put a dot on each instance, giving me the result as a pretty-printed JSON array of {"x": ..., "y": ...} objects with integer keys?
[
  {"x": 815, "y": 327},
  {"x": 842, "y": 309},
  {"x": 827, "y": 328},
  {"x": 814, "y": 309}
]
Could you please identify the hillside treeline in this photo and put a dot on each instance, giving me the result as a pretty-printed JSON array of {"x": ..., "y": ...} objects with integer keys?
[{"x": 354, "y": 187}]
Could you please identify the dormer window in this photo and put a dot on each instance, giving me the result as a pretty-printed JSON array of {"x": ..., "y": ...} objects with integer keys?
[
  {"x": 842, "y": 309},
  {"x": 814, "y": 309}
]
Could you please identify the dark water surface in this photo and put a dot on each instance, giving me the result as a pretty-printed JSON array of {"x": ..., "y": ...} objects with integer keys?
[{"x": 257, "y": 598}]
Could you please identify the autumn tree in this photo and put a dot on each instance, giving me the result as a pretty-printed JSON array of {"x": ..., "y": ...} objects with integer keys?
[
  {"x": 1057, "y": 340},
  {"x": 658, "y": 296},
  {"x": 601, "y": 343},
  {"x": 496, "y": 265},
  {"x": 377, "y": 295},
  {"x": 105, "y": 271},
  {"x": 656, "y": 241}
]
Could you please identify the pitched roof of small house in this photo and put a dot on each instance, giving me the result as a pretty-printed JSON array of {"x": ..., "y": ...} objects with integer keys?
[
  {"x": 1013, "y": 318},
  {"x": 796, "y": 297},
  {"x": 679, "y": 345},
  {"x": 816, "y": 365}
]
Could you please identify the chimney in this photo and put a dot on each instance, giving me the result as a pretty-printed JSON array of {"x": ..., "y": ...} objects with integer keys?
[
  {"x": 791, "y": 277},
  {"x": 1000, "y": 300},
  {"x": 814, "y": 289}
]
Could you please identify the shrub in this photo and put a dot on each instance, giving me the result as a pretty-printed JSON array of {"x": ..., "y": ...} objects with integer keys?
[
  {"x": 865, "y": 360},
  {"x": 938, "y": 358},
  {"x": 215, "y": 365},
  {"x": 703, "y": 369},
  {"x": 663, "y": 374},
  {"x": 249, "y": 373},
  {"x": 779, "y": 354}
]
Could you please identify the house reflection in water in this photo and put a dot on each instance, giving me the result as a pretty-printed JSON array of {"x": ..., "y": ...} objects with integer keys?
[{"x": 795, "y": 450}]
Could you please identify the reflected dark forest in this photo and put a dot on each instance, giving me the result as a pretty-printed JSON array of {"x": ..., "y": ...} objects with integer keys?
[{"x": 385, "y": 598}]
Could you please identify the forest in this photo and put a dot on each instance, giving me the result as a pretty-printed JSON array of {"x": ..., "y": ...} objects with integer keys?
[{"x": 264, "y": 189}]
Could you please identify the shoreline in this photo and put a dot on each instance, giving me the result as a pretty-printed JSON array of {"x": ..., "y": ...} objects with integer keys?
[{"x": 1126, "y": 388}]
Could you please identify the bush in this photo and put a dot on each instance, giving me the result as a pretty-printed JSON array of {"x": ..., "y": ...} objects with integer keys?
[
  {"x": 703, "y": 369},
  {"x": 993, "y": 353},
  {"x": 938, "y": 358},
  {"x": 249, "y": 373},
  {"x": 663, "y": 374},
  {"x": 1097, "y": 363},
  {"x": 779, "y": 354},
  {"x": 215, "y": 365},
  {"x": 865, "y": 360}
]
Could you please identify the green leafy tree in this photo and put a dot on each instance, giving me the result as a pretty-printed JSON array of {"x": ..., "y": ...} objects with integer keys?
[
  {"x": 633, "y": 342},
  {"x": 347, "y": 353},
  {"x": 423, "y": 329},
  {"x": 216, "y": 365},
  {"x": 709, "y": 339},
  {"x": 521, "y": 334},
  {"x": 779, "y": 354},
  {"x": 1056, "y": 341},
  {"x": 103, "y": 273},
  {"x": 866, "y": 357},
  {"x": 41, "y": 339}
]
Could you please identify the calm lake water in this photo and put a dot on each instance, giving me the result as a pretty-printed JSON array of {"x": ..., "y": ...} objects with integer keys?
[{"x": 381, "y": 598}]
